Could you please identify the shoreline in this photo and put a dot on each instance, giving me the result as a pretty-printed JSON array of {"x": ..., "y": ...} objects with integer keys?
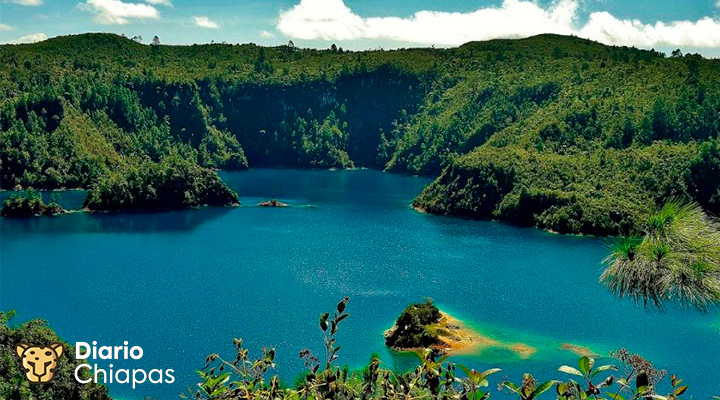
[
  {"x": 422, "y": 210},
  {"x": 458, "y": 338}
]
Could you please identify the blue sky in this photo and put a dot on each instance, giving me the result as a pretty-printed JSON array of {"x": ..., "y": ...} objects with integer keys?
[{"x": 692, "y": 25}]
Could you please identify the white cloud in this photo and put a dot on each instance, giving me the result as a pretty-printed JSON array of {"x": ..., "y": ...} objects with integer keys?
[
  {"x": 31, "y": 3},
  {"x": 205, "y": 22},
  {"x": 116, "y": 12},
  {"x": 6, "y": 27},
  {"x": 333, "y": 20},
  {"x": 166, "y": 3},
  {"x": 267, "y": 34},
  {"x": 605, "y": 28},
  {"x": 32, "y": 38}
]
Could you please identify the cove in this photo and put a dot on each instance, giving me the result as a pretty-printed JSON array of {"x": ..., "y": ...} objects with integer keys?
[{"x": 183, "y": 284}]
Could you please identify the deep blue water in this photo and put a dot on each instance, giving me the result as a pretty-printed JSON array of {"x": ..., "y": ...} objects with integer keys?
[{"x": 184, "y": 284}]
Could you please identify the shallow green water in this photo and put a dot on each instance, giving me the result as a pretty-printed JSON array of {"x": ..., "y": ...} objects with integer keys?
[{"x": 183, "y": 284}]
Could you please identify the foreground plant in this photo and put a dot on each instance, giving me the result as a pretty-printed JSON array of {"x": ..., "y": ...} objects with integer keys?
[
  {"x": 529, "y": 389},
  {"x": 434, "y": 378},
  {"x": 587, "y": 371},
  {"x": 677, "y": 260}
]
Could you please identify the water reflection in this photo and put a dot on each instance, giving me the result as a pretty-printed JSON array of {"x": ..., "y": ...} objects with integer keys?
[{"x": 138, "y": 223}]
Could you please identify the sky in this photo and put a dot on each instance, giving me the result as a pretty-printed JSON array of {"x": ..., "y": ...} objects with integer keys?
[{"x": 691, "y": 25}]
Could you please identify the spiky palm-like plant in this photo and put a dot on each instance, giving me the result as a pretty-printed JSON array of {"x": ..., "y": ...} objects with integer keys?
[{"x": 677, "y": 260}]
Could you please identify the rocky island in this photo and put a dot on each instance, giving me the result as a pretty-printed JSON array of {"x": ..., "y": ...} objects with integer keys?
[
  {"x": 272, "y": 203},
  {"x": 423, "y": 325}
]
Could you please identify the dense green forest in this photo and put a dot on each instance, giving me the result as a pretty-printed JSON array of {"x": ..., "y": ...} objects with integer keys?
[{"x": 551, "y": 131}]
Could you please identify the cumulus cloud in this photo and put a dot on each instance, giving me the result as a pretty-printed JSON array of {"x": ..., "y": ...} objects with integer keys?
[
  {"x": 334, "y": 20},
  {"x": 31, "y": 3},
  {"x": 6, "y": 27},
  {"x": 205, "y": 22},
  {"x": 166, "y": 3},
  {"x": 267, "y": 34},
  {"x": 116, "y": 12},
  {"x": 606, "y": 28},
  {"x": 32, "y": 38}
]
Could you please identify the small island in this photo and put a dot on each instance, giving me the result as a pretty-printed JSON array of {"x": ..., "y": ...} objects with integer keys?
[
  {"x": 272, "y": 203},
  {"x": 30, "y": 204},
  {"x": 581, "y": 351},
  {"x": 423, "y": 325}
]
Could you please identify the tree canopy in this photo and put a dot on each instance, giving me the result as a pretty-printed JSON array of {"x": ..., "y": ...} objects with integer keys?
[{"x": 551, "y": 131}]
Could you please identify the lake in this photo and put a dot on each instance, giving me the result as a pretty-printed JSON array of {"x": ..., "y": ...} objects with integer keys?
[{"x": 183, "y": 284}]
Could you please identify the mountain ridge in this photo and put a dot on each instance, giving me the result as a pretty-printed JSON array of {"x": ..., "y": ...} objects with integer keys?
[{"x": 76, "y": 110}]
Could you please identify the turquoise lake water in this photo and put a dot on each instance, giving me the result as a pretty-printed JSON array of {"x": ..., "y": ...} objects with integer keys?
[{"x": 183, "y": 284}]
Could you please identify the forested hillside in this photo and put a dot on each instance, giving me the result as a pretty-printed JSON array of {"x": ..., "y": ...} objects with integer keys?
[{"x": 550, "y": 131}]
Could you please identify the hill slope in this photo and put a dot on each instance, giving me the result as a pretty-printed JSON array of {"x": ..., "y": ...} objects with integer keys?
[{"x": 550, "y": 131}]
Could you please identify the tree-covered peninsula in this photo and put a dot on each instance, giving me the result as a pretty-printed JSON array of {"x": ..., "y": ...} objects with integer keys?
[
  {"x": 29, "y": 204},
  {"x": 173, "y": 183},
  {"x": 551, "y": 131}
]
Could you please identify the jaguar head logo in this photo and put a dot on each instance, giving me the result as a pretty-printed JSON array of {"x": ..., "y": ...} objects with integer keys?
[{"x": 39, "y": 362}]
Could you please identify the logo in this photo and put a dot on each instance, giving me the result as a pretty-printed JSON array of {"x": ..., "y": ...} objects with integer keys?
[{"x": 39, "y": 362}]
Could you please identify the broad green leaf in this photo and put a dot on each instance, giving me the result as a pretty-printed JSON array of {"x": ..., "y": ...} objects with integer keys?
[
  {"x": 544, "y": 387},
  {"x": 680, "y": 390},
  {"x": 466, "y": 370},
  {"x": 489, "y": 372},
  {"x": 585, "y": 364},
  {"x": 570, "y": 370},
  {"x": 561, "y": 388},
  {"x": 512, "y": 387},
  {"x": 604, "y": 368}
]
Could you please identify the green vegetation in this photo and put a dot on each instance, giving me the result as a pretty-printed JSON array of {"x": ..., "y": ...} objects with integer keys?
[
  {"x": 411, "y": 328},
  {"x": 245, "y": 377},
  {"x": 173, "y": 183},
  {"x": 29, "y": 204},
  {"x": 676, "y": 260},
  {"x": 434, "y": 378},
  {"x": 605, "y": 193},
  {"x": 555, "y": 132},
  {"x": 13, "y": 384}
]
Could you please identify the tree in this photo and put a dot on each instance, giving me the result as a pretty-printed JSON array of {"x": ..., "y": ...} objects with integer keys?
[
  {"x": 703, "y": 177},
  {"x": 660, "y": 123},
  {"x": 155, "y": 41},
  {"x": 333, "y": 47},
  {"x": 291, "y": 44},
  {"x": 677, "y": 260}
]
